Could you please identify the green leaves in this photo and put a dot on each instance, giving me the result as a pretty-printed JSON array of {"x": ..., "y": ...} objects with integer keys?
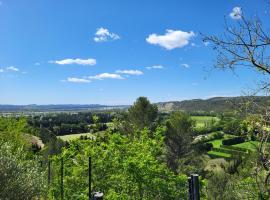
[{"x": 122, "y": 168}]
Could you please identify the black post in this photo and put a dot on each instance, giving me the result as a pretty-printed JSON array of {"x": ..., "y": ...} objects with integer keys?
[
  {"x": 49, "y": 171},
  {"x": 89, "y": 179},
  {"x": 62, "y": 178},
  {"x": 196, "y": 189},
  {"x": 190, "y": 189}
]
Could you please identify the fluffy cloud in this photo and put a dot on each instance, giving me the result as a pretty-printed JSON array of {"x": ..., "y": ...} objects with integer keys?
[
  {"x": 236, "y": 13},
  {"x": 185, "y": 65},
  {"x": 171, "y": 39},
  {"x": 12, "y": 68},
  {"x": 155, "y": 67},
  {"x": 77, "y": 80},
  {"x": 78, "y": 61},
  {"x": 1, "y": 70},
  {"x": 130, "y": 72},
  {"x": 103, "y": 35},
  {"x": 106, "y": 76}
]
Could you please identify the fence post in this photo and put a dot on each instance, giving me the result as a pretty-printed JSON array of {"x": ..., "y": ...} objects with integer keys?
[
  {"x": 89, "y": 178},
  {"x": 49, "y": 171},
  {"x": 190, "y": 189},
  {"x": 196, "y": 189},
  {"x": 193, "y": 183},
  {"x": 62, "y": 178}
]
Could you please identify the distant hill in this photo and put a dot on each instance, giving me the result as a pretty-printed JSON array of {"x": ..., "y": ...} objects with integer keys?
[
  {"x": 216, "y": 104},
  {"x": 56, "y": 108}
]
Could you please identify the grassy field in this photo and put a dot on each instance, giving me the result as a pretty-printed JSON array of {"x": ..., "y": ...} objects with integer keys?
[
  {"x": 251, "y": 145},
  {"x": 74, "y": 136},
  {"x": 216, "y": 154},
  {"x": 216, "y": 143},
  {"x": 201, "y": 121}
]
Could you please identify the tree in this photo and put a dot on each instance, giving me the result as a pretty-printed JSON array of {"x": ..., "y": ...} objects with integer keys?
[
  {"x": 247, "y": 44},
  {"x": 123, "y": 168},
  {"x": 178, "y": 137},
  {"x": 20, "y": 177},
  {"x": 142, "y": 114}
]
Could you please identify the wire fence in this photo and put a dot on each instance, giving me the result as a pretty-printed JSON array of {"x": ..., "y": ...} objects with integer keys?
[{"x": 191, "y": 190}]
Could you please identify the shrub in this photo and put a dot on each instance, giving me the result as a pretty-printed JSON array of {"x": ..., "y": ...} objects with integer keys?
[
  {"x": 234, "y": 148},
  {"x": 232, "y": 141},
  {"x": 20, "y": 178},
  {"x": 204, "y": 146}
]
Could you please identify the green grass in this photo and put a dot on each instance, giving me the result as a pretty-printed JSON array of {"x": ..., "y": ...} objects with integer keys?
[
  {"x": 216, "y": 154},
  {"x": 74, "y": 136},
  {"x": 216, "y": 143},
  {"x": 201, "y": 121},
  {"x": 251, "y": 145}
]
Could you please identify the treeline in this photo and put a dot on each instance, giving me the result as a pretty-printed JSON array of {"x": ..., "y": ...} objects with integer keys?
[{"x": 66, "y": 123}]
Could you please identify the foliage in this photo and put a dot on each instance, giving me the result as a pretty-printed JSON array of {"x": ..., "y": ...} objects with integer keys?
[
  {"x": 13, "y": 130},
  {"x": 178, "y": 137},
  {"x": 142, "y": 114},
  {"x": 232, "y": 141},
  {"x": 123, "y": 168},
  {"x": 20, "y": 176}
]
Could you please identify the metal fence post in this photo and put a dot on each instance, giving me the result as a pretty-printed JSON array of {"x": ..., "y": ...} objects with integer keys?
[
  {"x": 195, "y": 184},
  {"x": 49, "y": 171},
  {"x": 190, "y": 189},
  {"x": 89, "y": 178},
  {"x": 62, "y": 178}
]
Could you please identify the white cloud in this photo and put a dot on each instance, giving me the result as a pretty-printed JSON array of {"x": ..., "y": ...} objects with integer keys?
[
  {"x": 171, "y": 39},
  {"x": 185, "y": 65},
  {"x": 236, "y": 13},
  {"x": 155, "y": 67},
  {"x": 106, "y": 76},
  {"x": 78, "y": 61},
  {"x": 37, "y": 63},
  {"x": 12, "y": 68},
  {"x": 77, "y": 80},
  {"x": 103, "y": 35},
  {"x": 130, "y": 72}
]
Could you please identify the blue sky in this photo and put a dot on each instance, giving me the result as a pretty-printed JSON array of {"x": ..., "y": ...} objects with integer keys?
[{"x": 113, "y": 51}]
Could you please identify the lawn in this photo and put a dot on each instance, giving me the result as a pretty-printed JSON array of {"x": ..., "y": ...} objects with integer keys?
[
  {"x": 201, "y": 121},
  {"x": 216, "y": 143},
  {"x": 217, "y": 154},
  {"x": 251, "y": 145},
  {"x": 75, "y": 136}
]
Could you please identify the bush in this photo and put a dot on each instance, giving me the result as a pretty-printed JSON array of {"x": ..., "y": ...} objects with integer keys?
[
  {"x": 20, "y": 178},
  {"x": 204, "y": 146},
  {"x": 234, "y": 148},
  {"x": 232, "y": 141},
  {"x": 207, "y": 138}
]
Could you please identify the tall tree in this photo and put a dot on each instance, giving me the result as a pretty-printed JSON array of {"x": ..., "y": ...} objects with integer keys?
[
  {"x": 178, "y": 137},
  {"x": 246, "y": 44},
  {"x": 142, "y": 114}
]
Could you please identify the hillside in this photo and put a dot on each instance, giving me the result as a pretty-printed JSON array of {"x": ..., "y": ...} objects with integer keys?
[
  {"x": 56, "y": 108},
  {"x": 216, "y": 104}
]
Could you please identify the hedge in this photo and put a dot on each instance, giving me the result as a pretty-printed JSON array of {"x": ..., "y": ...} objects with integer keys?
[
  {"x": 232, "y": 141},
  {"x": 227, "y": 150},
  {"x": 235, "y": 148},
  {"x": 204, "y": 146}
]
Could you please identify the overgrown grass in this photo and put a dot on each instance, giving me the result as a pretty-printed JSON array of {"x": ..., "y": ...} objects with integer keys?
[
  {"x": 74, "y": 136},
  {"x": 216, "y": 154},
  {"x": 250, "y": 145},
  {"x": 216, "y": 143},
  {"x": 201, "y": 121}
]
